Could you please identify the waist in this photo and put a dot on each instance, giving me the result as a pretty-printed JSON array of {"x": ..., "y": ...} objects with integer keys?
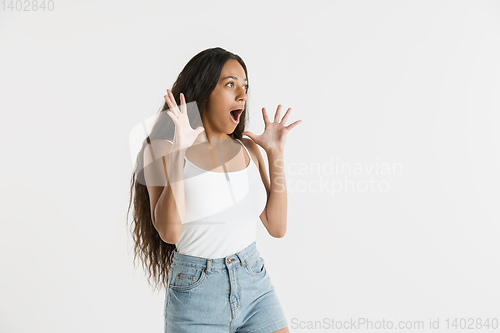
[{"x": 240, "y": 257}]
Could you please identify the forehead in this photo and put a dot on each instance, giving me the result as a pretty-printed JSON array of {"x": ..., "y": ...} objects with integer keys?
[{"x": 233, "y": 68}]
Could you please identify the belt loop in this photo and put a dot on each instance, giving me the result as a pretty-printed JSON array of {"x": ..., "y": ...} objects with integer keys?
[
  {"x": 243, "y": 262},
  {"x": 209, "y": 262}
]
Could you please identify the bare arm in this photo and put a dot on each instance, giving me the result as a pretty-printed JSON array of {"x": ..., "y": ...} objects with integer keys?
[
  {"x": 273, "y": 141},
  {"x": 274, "y": 215},
  {"x": 277, "y": 202},
  {"x": 167, "y": 198},
  {"x": 168, "y": 207}
]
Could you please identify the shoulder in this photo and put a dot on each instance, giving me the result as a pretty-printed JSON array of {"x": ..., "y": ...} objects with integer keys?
[
  {"x": 253, "y": 148},
  {"x": 155, "y": 149}
]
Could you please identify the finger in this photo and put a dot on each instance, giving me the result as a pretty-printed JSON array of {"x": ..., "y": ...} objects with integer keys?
[
  {"x": 264, "y": 115},
  {"x": 175, "y": 109},
  {"x": 183, "y": 104},
  {"x": 174, "y": 118},
  {"x": 169, "y": 102},
  {"x": 292, "y": 125},
  {"x": 250, "y": 135},
  {"x": 174, "y": 102},
  {"x": 285, "y": 117},
  {"x": 277, "y": 115}
]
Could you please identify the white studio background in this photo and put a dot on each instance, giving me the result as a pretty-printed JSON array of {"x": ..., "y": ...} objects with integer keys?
[{"x": 393, "y": 174}]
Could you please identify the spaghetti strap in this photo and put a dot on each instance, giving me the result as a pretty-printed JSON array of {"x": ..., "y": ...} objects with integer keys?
[{"x": 250, "y": 157}]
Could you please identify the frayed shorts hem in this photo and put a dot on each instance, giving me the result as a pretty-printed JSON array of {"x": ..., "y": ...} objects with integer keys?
[{"x": 277, "y": 325}]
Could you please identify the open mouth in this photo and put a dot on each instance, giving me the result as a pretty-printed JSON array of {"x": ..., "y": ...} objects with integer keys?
[{"x": 235, "y": 115}]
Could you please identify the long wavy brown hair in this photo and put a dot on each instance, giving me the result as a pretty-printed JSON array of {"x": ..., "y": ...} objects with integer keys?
[{"x": 196, "y": 81}]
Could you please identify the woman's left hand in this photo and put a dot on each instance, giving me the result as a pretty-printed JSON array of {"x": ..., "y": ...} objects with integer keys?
[{"x": 273, "y": 138}]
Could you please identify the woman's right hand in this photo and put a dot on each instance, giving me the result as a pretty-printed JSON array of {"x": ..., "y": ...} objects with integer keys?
[{"x": 185, "y": 135}]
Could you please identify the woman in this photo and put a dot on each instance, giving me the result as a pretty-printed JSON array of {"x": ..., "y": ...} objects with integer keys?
[{"x": 198, "y": 199}]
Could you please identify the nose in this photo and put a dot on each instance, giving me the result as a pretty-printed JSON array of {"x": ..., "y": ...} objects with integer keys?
[{"x": 242, "y": 95}]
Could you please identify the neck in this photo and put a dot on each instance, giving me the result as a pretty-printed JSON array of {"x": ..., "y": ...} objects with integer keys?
[
  {"x": 204, "y": 138},
  {"x": 211, "y": 135}
]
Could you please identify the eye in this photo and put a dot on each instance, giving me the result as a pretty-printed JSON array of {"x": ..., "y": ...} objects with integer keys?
[{"x": 246, "y": 85}]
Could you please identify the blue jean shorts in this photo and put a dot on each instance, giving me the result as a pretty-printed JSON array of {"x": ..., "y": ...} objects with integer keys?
[{"x": 226, "y": 295}]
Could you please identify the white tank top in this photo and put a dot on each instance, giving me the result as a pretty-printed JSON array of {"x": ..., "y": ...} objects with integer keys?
[{"x": 222, "y": 210}]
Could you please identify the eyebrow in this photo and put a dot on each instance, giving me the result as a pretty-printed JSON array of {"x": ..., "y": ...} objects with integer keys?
[{"x": 232, "y": 77}]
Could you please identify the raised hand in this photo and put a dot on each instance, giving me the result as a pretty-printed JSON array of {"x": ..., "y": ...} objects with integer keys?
[
  {"x": 184, "y": 135},
  {"x": 274, "y": 135}
]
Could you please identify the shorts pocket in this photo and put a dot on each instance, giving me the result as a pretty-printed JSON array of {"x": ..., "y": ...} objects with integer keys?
[
  {"x": 185, "y": 277},
  {"x": 256, "y": 266}
]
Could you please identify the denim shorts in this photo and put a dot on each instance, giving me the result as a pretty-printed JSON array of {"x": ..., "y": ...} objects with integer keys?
[{"x": 231, "y": 294}]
